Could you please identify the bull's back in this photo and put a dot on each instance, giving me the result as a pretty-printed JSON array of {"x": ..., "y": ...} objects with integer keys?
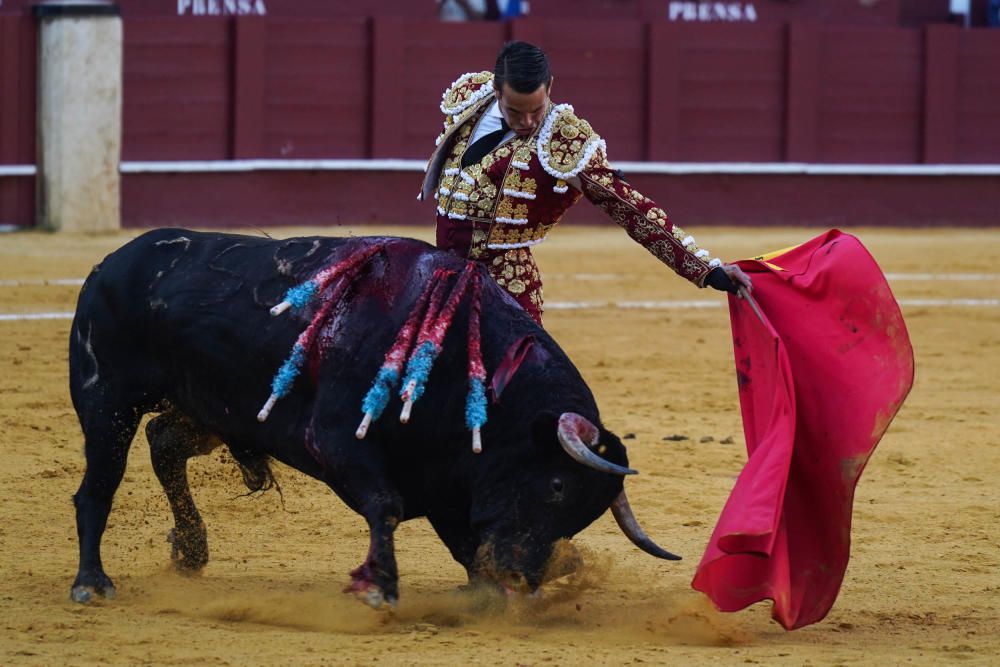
[
  {"x": 173, "y": 300},
  {"x": 184, "y": 316}
]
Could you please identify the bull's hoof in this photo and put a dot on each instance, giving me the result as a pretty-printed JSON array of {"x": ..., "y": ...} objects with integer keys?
[
  {"x": 85, "y": 592},
  {"x": 82, "y": 594},
  {"x": 373, "y": 586},
  {"x": 371, "y": 594},
  {"x": 188, "y": 549},
  {"x": 375, "y": 598}
]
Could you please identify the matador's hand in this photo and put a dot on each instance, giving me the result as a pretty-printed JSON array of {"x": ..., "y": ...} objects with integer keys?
[{"x": 728, "y": 278}]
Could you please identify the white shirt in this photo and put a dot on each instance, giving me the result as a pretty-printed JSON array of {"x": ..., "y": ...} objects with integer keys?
[{"x": 490, "y": 122}]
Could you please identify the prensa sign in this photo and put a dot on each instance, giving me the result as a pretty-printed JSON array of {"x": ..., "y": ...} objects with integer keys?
[
  {"x": 221, "y": 8},
  {"x": 712, "y": 11}
]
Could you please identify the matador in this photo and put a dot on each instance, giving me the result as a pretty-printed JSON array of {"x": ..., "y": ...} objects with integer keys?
[{"x": 509, "y": 163}]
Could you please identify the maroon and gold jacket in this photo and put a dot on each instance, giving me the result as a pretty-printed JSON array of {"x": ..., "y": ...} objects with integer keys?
[{"x": 494, "y": 211}]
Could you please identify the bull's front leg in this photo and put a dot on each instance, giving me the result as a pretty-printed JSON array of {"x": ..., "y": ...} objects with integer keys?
[
  {"x": 357, "y": 473},
  {"x": 377, "y": 580}
]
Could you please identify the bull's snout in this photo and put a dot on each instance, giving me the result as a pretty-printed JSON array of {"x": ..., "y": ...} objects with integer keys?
[{"x": 513, "y": 566}]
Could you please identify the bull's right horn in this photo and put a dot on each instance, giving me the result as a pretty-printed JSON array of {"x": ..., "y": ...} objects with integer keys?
[
  {"x": 633, "y": 531},
  {"x": 572, "y": 429}
]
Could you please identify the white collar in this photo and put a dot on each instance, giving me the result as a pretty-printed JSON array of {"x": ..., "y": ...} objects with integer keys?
[{"x": 494, "y": 109}]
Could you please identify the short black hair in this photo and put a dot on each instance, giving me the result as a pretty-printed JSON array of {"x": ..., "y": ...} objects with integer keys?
[{"x": 522, "y": 66}]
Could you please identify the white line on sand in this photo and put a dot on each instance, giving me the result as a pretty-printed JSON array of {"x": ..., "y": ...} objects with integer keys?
[
  {"x": 15, "y": 317},
  {"x": 50, "y": 281}
]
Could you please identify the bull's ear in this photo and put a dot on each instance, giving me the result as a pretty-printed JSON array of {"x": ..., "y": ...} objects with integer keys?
[{"x": 612, "y": 448}]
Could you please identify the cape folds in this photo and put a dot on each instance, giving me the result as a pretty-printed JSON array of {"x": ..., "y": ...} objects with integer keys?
[{"x": 819, "y": 384}]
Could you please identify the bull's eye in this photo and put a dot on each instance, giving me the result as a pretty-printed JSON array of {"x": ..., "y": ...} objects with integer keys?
[{"x": 557, "y": 485}]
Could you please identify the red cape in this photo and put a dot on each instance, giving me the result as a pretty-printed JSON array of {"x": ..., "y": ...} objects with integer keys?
[{"x": 819, "y": 382}]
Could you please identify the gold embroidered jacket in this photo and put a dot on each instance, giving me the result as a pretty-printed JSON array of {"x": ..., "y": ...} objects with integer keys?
[{"x": 519, "y": 191}]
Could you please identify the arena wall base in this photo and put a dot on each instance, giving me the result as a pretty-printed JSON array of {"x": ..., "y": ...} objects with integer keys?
[
  {"x": 79, "y": 116},
  {"x": 364, "y": 196}
]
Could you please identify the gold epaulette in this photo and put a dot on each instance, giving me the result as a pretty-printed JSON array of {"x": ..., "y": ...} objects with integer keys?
[
  {"x": 461, "y": 99},
  {"x": 466, "y": 91},
  {"x": 567, "y": 143}
]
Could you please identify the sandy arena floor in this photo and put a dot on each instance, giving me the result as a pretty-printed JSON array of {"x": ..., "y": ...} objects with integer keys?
[{"x": 923, "y": 586}]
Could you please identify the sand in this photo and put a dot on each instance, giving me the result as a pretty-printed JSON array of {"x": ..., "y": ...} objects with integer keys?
[{"x": 923, "y": 585}]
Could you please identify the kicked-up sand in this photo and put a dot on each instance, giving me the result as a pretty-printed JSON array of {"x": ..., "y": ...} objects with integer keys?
[{"x": 922, "y": 588}]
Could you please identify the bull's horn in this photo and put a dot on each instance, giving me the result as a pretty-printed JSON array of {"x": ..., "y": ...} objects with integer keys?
[
  {"x": 572, "y": 428},
  {"x": 627, "y": 522}
]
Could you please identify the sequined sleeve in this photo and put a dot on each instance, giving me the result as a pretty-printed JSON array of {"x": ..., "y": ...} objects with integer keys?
[{"x": 644, "y": 221}]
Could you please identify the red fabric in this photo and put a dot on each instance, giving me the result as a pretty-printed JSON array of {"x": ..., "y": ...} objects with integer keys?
[{"x": 818, "y": 385}]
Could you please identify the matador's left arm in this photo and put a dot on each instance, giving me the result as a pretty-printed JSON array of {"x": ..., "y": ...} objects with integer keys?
[
  {"x": 644, "y": 221},
  {"x": 571, "y": 143}
]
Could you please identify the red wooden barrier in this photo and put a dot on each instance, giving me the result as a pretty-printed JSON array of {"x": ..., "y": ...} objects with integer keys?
[
  {"x": 316, "y": 77},
  {"x": 357, "y": 197},
  {"x": 731, "y": 92},
  {"x": 599, "y": 68},
  {"x": 220, "y": 88},
  {"x": 177, "y": 89},
  {"x": 414, "y": 63},
  {"x": 200, "y": 88},
  {"x": 977, "y": 99},
  {"x": 870, "y": 95},
  {"x": 17, "y": 116}
]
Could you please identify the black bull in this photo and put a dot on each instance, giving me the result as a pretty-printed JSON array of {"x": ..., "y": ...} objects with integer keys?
[{"x": 177, "y": 322}]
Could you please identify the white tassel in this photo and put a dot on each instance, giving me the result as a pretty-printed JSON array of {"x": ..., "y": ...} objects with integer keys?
[
  {"x": 363, "y": 427},
  {"x": 477, "y": 441},
  {"x": 266, "y": 410},
  {"x": 280, "y": 308},
  {"x": 404, "y": 416}
]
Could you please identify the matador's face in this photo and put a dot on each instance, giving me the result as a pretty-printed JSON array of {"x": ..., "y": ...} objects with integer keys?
[{"x": 523, "y": 111}]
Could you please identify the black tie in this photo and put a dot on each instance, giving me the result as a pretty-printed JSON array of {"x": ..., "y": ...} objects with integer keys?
[{"x": 484, "y": 144}]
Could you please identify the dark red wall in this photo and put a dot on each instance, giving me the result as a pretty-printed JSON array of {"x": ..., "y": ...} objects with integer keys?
[
  {"x": 355, "y": 88},
  {"x": 850, "y": 12},
  {"x": 357, "y": 197},
  {"x": 177, "y": 90},
  {"x": 17, "y": 116},
  {"x": 343, "y": 86}
]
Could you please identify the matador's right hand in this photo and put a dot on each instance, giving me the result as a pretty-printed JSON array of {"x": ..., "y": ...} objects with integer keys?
[{"x": 728, "y": 278}]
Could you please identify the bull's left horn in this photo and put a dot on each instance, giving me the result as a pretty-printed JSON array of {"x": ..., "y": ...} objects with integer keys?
[
  {"x": 633, "y": 531},
  {"x": 572, "y": 429}
]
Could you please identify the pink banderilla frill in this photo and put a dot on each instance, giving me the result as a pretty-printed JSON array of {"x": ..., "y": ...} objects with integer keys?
[
  {"x": 300, "y": 295},
  {"x": 392, "y": 367},
  {"x": 434, "y": 315},
  {"x": 475, "y": 404},
  {"x": 429, "y": 343},
  {"x": 346, "y": 270}
]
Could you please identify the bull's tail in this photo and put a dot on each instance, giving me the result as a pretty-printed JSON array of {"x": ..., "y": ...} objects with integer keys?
[{"x": 255, "y": 466}]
